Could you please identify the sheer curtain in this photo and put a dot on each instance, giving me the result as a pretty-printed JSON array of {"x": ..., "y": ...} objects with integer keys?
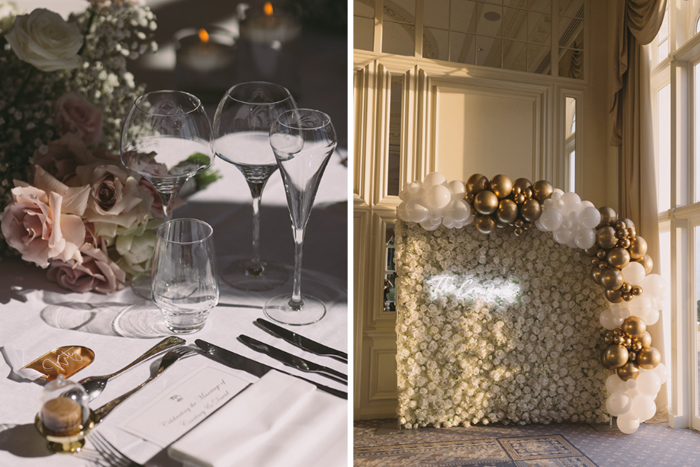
[{"x": 638, "y": 22}]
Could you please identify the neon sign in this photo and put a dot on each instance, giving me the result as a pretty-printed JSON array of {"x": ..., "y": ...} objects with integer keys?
[{"x": 470, "y": 288}]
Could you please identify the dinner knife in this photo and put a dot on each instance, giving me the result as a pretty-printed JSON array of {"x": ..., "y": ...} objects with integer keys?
[
  {"x": 302, "y": 342},
  {"x": 292, "y": 360},
  {"x": 239, "y": 362}
]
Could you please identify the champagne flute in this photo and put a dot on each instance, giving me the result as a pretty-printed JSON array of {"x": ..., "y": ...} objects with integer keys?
[
  {"x": 303, "y": 141},
  {"x": 241, "y": 130}
]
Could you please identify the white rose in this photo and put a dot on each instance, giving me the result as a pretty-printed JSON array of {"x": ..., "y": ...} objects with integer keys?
[
  {"x": 8, "y": 13},
  {"x": 46, "y": 40}
]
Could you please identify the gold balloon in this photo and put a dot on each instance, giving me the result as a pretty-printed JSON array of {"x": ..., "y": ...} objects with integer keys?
[
  {"x": 542, "y": 190},
  {"x": 595, "y": 261},
  {"x": 628, "y": 371},
  {"x": 645, "y": 339},
  {"x": 602, "y": 254},
  {"x": 531, "y": 210},
  {"x": 611, "y": 279},
  {"x": 648, "y": 264},
  {"x": 507, "y": 211},
  {"x": 596, "y": 274},
  {"x": 633, "y": 357},
  {"x": 520, "y": 198},
  {"x": 648, "y": 358},
  {"x": 628, "y": 223},
  {"x": 484, "y": 224},
  {"x": 527, "y": 225},
  {"x": 636, "y": 290},
  {"x": 608, "y": 216},
  {"x": 501, "y": 185},
  {"x": 614, "y": 356},
  {"x": 518, "y": 231},
  {"x": 519, "y": 223},
  {"x": 620, "y": 224},
  {"x": 627, "y": 297},
  {"x": 626, "y": 288},
  {"x": 631, "y": 232},
  {"x": 638, "y": 248},
  {"x": 637, "y": 345},
  {"x": 624, "y": 243},
  {"x": 605, "y": 237},
  {"x": 592, "y": 251},
  {"x": 523, "y": 184},
  {"x": 486, "y": 202},
  {"x": 476, "y": 183},
  {"x": 609, "y": 336},
  {"x": 634, "y": 326},
  {"x": 613, "y": 296},
  {"x": 619, "y": 340},
  {"x": 619, "y": 258}
]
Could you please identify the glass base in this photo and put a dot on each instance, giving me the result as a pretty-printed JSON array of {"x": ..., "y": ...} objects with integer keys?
[
  {"x": 280, "y": 309},
  {"x": 142, "y": 287},
  {"x": 241, "y": 274},
  {"x": 185, "y": 323}
]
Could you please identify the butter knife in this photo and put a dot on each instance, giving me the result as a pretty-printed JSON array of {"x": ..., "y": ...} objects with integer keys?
[
  {"x": 302, "y": 342},
  {"x": 292, "y": 360},
  {"x": 239, "y": 362}
]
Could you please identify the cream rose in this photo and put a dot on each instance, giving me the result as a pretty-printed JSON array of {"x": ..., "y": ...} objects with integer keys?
[
  {"x": 96, "y": 273},
  {"x": 136, "y": 251},
  {"x": 45, "y": 40}
]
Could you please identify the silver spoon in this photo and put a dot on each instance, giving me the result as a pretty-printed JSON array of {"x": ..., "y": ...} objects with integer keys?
[{"x": 94, "y": 385}]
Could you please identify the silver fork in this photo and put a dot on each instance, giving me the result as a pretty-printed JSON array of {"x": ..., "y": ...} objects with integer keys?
[{"x": 105, "y": 453}]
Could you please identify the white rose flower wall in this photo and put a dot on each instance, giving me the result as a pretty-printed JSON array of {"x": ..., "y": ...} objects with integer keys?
[{"x": 493, "y": 328}]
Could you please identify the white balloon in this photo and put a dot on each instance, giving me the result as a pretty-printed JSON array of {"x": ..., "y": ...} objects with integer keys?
[
  {"x": 448, "y": 222},
  {"x": 572, "y": 243},
  {"x": 587, "y": 204},
  {"x": 643, "y": 407},
  {"x": 411, "y": 191},
  {"x": 556, "y": 194},
  {"x": 655, "y": 286},
  {"x": 548, "y": 203},
  {"x": 661, "y": 372},
  {"x": 551, "y": 220},
  {"x": 401, "y": 212},
  {"x": 649, "y": 383},
  {"x": 563, "y": 235},
  {"x": 633, "y": 273},
  {"x": 457, "y": 189},
  {"x": 618, "y": 404},
  {"x": 640, "y": 306},
  {"x": 589, "y": 217},
  {"x": 652, "y": 317},
  {"x": 567, "y": 224},
  {"x": 539, "y": 226},
  {"x": 607, "y": 319},
  {"x": 558, "y": 204},
  {"x": 630, "y": 385},
  {"x": 627, "y": 423},
  {"x": 614, "y": 384},
  {"x": 434, "y": 178},
  {"x": 572, "y": 202},
  {"x": 416, "y": 212},
  {"x": 458, "y": 210},
  {"x": 437, "y": 197},
  {"x": 430, "y": 224},
  {"x": 585, "y": 238},
  {"x": 469, "y": 219}
]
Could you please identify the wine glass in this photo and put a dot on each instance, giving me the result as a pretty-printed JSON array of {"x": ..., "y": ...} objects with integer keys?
[
  {"x": 303, "y": 141},
  {"x": 184, "y": 280},
  {"x": 166, "y": 138},
  {"x": 241, "y": 130}
]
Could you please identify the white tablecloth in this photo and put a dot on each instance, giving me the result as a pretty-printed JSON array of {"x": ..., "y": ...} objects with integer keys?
[{"x": 38, "y": 316}]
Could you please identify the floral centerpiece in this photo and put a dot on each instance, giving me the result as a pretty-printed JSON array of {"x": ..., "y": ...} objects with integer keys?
[{"x": 68, "y": 204}]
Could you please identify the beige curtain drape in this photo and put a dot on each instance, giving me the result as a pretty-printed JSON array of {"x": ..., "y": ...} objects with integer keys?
[{"x": 638, "y": 22}]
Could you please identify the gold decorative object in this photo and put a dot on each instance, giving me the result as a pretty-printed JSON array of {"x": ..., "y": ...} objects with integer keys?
[
  {"x": 638, "y": 248},
  {"x": 64, "y": 361},
  {"x": 627, "y": 371},
  {"x": 486, "y": 202},
  {"x": 614, "y": 356},
  {"x": 542, "y": 190},
  {"x": 618, "y": 257},
  {"x": 611, "y": 279},
  {"x": 531, "y": 210},
  {"x": 649, "y": 358},
  {"x": 507, "y": 211},
  {"x": 476, "y": 183},
  {"x": 501, "y": 186},
  {"x": 605, "y": 237},
  {"x": 645, "y": 339},
  {"x": 484, "y": 224},
  {"x": 648, "y": 264},
  {"x": 64, "y": 418},
  {"x": 608, "y": 216},
  {"x": 634, "y": 326}
]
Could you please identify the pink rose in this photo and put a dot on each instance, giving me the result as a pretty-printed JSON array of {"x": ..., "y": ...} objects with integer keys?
[
  {"x": 37, "y": 225},
  {"x": 96, "y": 273},
  {"x": 76, "y": 115},
  {"x": 157, "y": 206},
  {"x": 63, "y": 156}
]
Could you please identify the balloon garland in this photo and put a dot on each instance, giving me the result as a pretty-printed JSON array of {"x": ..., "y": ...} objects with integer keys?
[{"x": 618, "y": 257}]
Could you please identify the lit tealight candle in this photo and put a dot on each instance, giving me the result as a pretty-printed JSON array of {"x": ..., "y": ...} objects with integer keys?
[{"x": 204, "y": 55}]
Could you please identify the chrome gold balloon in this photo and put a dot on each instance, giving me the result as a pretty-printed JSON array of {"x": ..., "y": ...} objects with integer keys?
[
  {"x": 619, "y": 258},
  {"x": 626, "y": 288},
  {"x": 501, "y": 186},
  {"x": 605, "y": 237},
  {"x": 636, "y": 290},
  {"x": 476, "y": 183},
  {"x": 486, "y": 202},
  {"x": 608, "y": 216},
  {"x": 507, "y": 211},
  {"x": 596, "y": 274},
  {"x": 531, "y": 210},
  {"x": 611, "y": 279},
  {"x": 522, "y": 184},
  {"x": 648, "y": 358},
  {"x": 613, "y": 296},
  {"x": 609, "y": 336},
  {"x": 638, "y": 248},
  {"x": 484, "y": 224},
  {"x": 645, "y": 339},
  {"x": 518, "y": 231},
  {"x": 628, "y": 371},
  {"x": 634, "y": 326},
  {"x": 648, "y": 264},
  {"x": 542, "y": 190},
  {"x": 614, "y": 356},
  {"x": 592, "y": 251}
]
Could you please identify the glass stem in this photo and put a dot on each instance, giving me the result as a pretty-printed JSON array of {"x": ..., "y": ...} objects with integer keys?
[
  {"x": 256, "y": 230},
  {"x": 168, "y": 199},
  {"x": 296, "y": 302}
]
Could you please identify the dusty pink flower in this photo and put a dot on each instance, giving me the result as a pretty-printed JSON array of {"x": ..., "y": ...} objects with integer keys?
[
  {"x": 41, "y": 227},
  {"x": 96, "y": 273},
  {"x": 157, "y": 206},
  {"x": 76, "y": 115},
  {"x": 63, "y": 156}
]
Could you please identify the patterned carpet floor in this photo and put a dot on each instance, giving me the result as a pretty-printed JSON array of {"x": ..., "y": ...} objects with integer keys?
[{"x": 378, "y": 444}]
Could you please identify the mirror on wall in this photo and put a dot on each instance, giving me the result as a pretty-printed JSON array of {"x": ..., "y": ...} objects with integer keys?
[
  {"x": 394, "y": 151},
  {"x": 570, "y": 141},
  {"x": 389, "y": 286}
]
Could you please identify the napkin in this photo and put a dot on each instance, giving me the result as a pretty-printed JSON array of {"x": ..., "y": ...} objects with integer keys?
[
  {"x": 15, "y": 358},
  {"x": 278, "y": 421}
]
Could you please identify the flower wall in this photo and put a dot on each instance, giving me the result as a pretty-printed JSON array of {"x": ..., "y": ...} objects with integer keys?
[{"x": 496, "y": 329}]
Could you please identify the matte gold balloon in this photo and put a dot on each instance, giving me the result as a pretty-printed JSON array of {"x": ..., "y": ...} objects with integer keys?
[
  {"x": 638, "y": 248},
  {"x": 645, "y": 339},
  {"x": 605, "y": 237},
  {"x": 476, "y": 183},
  {"x": 628, "y": 371},
  {"x": 542, "y": 190},
  {"x": 596, "y": 274},
  {"x": 486, "y": 202},
  {"x": 648, "y": 358},
  {"x": 614, "y": 356},
  {"x": 501, "y": 185},
  {"x": 619, "y": 258},
  {"x": 531, "y": 210},
  {"x": 611, "y": 279},
  {"x": 613, "y": 296},
  {"x": 648, "y": 264},
  {"x": 507, "y": 211},
  {"x": 484, "y": 224},
  {"x": 592, "y": 251},
  {"x": 608, "y": 216},
  {"x": 634, "y": 326}
]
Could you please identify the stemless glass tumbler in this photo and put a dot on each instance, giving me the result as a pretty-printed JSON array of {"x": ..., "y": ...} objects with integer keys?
[
  {"x": 184, "y": 281},
  {"x": 303, "y": 141}
]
